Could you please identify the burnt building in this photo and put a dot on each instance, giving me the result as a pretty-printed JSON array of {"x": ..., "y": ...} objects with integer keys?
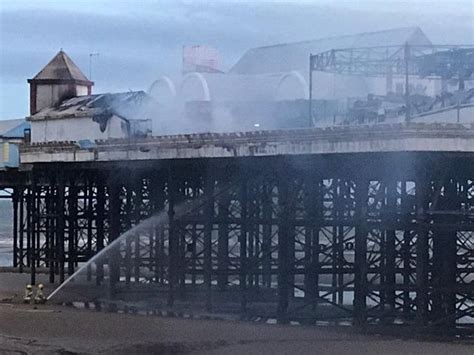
[
  {"x": 63, "y": 108},
  {"x": 269, "y": 87}
]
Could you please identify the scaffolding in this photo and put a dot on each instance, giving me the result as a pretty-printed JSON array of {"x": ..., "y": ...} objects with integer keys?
[{"x": 442, "y": 61}]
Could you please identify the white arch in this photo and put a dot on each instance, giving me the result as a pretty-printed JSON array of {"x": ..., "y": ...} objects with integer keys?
[
  {"x": 299, "y": 77},
  {"x": 168, "y": 83},
  {"x": 202, "y": 80}
]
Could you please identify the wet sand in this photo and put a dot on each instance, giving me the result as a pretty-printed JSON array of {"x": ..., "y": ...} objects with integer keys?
[{"x": 55, "y": 329}]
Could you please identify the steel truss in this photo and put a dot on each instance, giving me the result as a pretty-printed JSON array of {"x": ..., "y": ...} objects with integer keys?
[
  {"x": 442, "y": 61},
  {"x": 446, "y": 61},
  {"x": 374, "y": 238}
]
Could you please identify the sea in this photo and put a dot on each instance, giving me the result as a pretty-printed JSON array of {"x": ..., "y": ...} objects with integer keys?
[{"x": 6, "y": 233}]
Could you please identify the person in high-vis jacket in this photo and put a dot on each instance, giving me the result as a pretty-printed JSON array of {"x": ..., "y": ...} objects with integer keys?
[
  {"x": 28, "y": 294},
  {"x": 39, "y": 297}
]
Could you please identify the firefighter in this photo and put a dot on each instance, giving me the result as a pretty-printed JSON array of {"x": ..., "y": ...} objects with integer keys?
[
  {"x": 28, "y": 294},
  {"x": 39, "y": 297}
]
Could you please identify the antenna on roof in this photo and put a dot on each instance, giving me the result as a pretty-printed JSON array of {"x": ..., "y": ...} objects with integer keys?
[{"x": 93, "y": 54}]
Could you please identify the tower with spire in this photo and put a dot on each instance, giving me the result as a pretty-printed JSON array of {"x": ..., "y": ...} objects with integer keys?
[{"x": 59, "y": 80}]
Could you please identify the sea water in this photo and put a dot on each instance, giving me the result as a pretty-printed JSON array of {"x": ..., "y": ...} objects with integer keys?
[{"x": 6, "y": 233}]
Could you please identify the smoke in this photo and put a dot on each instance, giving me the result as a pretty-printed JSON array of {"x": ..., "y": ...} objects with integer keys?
[
  {"x": 140, "y": 43},
  {"x": 203, "y": 102}
]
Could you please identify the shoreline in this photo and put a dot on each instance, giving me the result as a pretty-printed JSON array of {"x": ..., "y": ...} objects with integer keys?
[
  {"x": 63, "y": 329},
  {"x": 51, "y": 328}
]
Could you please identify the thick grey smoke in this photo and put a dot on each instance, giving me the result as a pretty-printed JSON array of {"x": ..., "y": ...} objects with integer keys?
[{"x": 137, "y": 44}]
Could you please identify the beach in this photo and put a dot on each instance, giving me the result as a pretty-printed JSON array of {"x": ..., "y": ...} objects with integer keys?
[{"x": 55, "y": 329}]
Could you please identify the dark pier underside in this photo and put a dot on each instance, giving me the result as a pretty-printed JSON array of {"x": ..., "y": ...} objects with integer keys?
[{"x": 374, "y": 237}]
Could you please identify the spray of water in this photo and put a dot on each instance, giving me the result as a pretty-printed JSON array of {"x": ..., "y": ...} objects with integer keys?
[{"x": 158, "y": 219}]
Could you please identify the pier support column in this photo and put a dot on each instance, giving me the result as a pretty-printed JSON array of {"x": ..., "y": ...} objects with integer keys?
[
  {"x": 208, "y": 224},
  {"x": 450, "y": 258},
  {"x": 158, "y": 196},
  {"x": 406, "y": 207},
  {"x": 422, "y": 252},
  {"x": 89, "y": 210},
  {"x": 48, "y": 217},
  {"x": 284, "y": 251},
  {"x": 127, "y": 221},
  {"x": 31, "y": 229},
  {"x": 223, "y": 238},
  {"x": 114, "y": 233},
  {"x": 360, "y": 257},
  {"x": 390, "y": 277},
  {"x": 444, "y": 258},
  {"x": 243, "y": 243},
  {"x": 15, "y": 197},
  {"x": 100, "y": 215},
  {"x": 138, "y": 208},
  {"x": 312, "y": 205},
  {"x": 60, "y": 226},
  {"x": 173, "y": 240},
  {"x": 22, "y": 255},
  {"x": 72, "y": 230},
  {"x": 267, "y": 234}
]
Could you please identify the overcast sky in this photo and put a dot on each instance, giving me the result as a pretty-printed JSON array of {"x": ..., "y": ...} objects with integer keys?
[{"x": 140, "y": 40}]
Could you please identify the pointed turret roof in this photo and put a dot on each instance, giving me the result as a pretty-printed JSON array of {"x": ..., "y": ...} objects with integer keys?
[{"x": 62, "y": 68}]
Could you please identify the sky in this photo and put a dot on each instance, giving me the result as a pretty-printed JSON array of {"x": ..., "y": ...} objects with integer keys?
[{"x": 138, "y": 41}]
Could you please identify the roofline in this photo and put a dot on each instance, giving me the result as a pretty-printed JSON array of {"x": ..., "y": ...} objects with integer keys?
[
  {"x": 60, "y": 81},
  {"x": 308, "y": 41},
  {"x": 12, "y": 119},
  {"x": 33, "y": 118},
  {"x": 69, "y": 65},
  {"x": 337, "y": 36}
]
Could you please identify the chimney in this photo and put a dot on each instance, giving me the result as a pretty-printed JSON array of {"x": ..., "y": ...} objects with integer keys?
[{"x": 59, "y": 80}]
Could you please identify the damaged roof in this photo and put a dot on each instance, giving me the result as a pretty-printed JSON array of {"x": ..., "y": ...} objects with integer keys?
[
  {"x": 61, "y": 67},
  {"x": 295, "y": 56},
  {"x": 127, "y": 105}
]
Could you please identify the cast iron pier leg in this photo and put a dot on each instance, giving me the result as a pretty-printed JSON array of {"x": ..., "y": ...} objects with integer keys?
[
  {"x": 360, "y": 258},
  {"x": 208, "y": 223},
  {"x": 243, "y": 246},
  {"x": 114, "y": 233},
  {"x": 421, "y": 252},
  {"x": 223, "y": 238},
  {"x": 283, "y": 250},
  {"x": 173, "y": 240},
  {"x": 15, "y": 227}
]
